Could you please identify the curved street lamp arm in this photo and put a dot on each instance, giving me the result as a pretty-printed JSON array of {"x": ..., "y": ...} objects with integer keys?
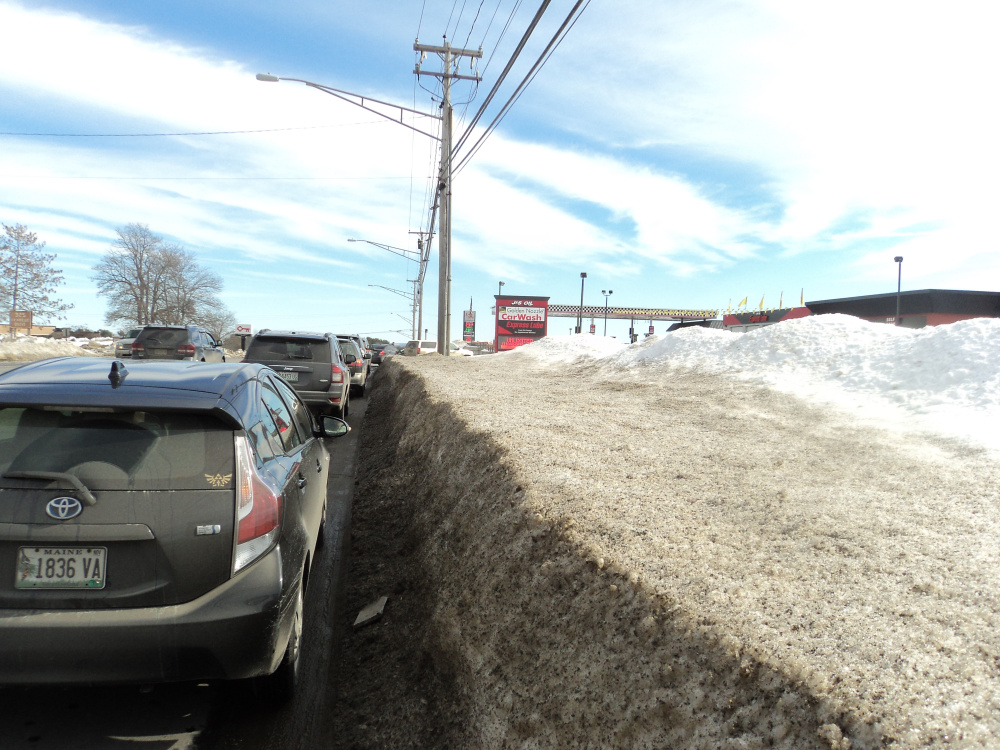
[{"x": 341, "y": 94}]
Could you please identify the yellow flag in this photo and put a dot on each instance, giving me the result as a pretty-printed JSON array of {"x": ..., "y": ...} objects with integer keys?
[
  {"x": 742, "y": 302},
  {"x": 762, "y": 303},
  {"x": 802, "y": 297}
]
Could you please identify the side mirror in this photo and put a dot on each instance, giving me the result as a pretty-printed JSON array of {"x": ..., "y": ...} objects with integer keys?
[
  {"x": 349, "y": 358},
  {"x": 332, "y": 427},
  {"x": 367, "y": 355}
]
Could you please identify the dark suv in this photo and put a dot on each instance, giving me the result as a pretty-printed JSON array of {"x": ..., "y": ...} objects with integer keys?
[
  {"x": 191, "y": 343},
  {"x": 157, "y": 522},
  {"x": 311, "y": 363}
]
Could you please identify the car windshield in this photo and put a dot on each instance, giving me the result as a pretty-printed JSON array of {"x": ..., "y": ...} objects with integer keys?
[
  {"x": 130, "y": 450},
  {"x": 279, "y": 350}
]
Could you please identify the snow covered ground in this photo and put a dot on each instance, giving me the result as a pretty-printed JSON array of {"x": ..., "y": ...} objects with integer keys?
[
  {"x": 785, "y": 538},
  {"x": 944, "y": 379},
  {"x": 29, "y": 348}
]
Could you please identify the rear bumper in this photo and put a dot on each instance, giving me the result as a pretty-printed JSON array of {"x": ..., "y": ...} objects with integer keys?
[
  {"x": 321, "y": 400},
  {"x": 237, "y": 630}
]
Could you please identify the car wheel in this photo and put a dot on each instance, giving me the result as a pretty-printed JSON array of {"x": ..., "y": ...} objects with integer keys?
[{"x": 280, "y": 685}]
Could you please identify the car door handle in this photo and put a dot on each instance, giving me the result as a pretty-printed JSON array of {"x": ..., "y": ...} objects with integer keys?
[
  {"x": 319, "y": 467},
  {"x": 302, "y": 482}
]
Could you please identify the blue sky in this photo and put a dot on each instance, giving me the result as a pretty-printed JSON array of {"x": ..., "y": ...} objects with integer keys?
[{"x": 684, "y": 154}]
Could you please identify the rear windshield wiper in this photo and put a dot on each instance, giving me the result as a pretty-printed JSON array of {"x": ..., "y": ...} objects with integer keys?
[{"x": 58, "y": 476}]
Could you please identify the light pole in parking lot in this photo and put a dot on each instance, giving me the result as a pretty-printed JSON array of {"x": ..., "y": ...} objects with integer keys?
[
  {"x": 606, "y": 294},
  {"x": 579, "y": 320},
  {"x": 899, "y": 283},
  {"x": 500, "y": 289}
]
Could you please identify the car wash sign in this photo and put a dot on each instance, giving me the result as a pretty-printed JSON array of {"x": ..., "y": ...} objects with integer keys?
[{"x": 520, "y": 320}]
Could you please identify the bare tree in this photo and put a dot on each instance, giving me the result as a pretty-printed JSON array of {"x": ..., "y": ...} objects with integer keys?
[
  {"x": 146, "y": 281},
  {"x": 27, "y": 278}
]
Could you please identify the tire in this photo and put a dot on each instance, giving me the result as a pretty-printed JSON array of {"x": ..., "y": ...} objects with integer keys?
[{"x": 280, "y": 685}]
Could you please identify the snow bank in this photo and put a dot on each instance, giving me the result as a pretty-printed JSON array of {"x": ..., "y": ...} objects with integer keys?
[
  {"x": 629, "y": 548},
  {"x": 31, "y": 348}
]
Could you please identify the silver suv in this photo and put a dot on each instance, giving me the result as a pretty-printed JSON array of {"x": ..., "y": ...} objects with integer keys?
[{"x": 191, "y": 343}]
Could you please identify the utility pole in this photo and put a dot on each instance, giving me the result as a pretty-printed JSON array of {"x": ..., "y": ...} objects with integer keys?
[{"x": 450, "y": 56}]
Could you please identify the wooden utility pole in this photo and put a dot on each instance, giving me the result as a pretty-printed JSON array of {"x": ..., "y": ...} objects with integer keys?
[{"x": 450, "y": 58}]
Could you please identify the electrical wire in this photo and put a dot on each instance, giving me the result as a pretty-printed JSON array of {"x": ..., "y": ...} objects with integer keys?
[
  {"x": 179, "y": 135},
  {"x": 557, "y": 39},
  {"x": 510, "y": 64}
]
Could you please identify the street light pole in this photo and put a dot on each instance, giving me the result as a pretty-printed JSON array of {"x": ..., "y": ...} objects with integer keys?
[
  {"x": 500, "y": 289},
  {"x": 579, "y": 320},
  {"x": 899, "y": 284},
  {"x": 606, "y": 295}
]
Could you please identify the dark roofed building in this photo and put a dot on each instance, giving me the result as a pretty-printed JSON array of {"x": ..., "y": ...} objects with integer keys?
[{"x": 927, "y": 307}]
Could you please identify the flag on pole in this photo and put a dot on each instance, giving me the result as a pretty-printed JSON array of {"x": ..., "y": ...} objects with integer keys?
[
  {"x": 762, "y": 302},
  {"x": 742, "y": 302},
  {"x": 802, "y": 297}
]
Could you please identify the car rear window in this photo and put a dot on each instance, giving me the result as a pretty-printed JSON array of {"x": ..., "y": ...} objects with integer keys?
[
  {"x": 139, "y": 450},
  {"x": 281, "y": 350},
  {"x": 164, "y": 336}
]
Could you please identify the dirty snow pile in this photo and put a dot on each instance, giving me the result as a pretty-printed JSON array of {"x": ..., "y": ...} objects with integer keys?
[
  {"x": 31, "y": 348},
  {"x": 782, "y": 538},
  {"x": 943, "y": 379}
]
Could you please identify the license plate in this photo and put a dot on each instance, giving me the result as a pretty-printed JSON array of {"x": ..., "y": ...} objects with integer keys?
[
  {"x": 61, "y": 567},
  {"x": 291, "y": 377}
]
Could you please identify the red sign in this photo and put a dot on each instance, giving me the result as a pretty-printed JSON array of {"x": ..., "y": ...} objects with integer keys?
[
  {"x": 651, "y": 329},
  {"x": 520, "y": 320}
]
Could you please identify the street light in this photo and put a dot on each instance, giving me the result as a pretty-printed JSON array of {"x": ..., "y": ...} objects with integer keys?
[
  {"x": 411, "y": 297},
  {"x": 579, "y": 320},
  {"x": 449, "y": 56},
  {"x": 418, "y": 283},
  {"x": 899, "y": 283},
  {"x": 606, "y": 295},
  {"x": 500, "y": 289}
]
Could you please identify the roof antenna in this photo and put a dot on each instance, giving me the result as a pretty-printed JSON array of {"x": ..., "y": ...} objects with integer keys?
[{"x": 118, "y": 373}]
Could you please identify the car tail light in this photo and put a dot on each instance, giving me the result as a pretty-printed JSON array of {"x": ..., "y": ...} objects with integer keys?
[
  {"x": 258, "y": 510},
  {"x": 336, "y": 374},
  {"x": 186, "y": 349},
  {"x": 136, "y": 347}
]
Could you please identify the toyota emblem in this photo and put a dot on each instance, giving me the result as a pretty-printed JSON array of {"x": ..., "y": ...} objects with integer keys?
[{"x": 63, "y": 508}]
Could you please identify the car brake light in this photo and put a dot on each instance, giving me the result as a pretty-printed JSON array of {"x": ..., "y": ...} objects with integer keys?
[
  {"x": 336, "y": 374},
  {"x": 186, "y": 349},
  {"x": 137, "y": 347},
  {"x": 258, "y": 510}
]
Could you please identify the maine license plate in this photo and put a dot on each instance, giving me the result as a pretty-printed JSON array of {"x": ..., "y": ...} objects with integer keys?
[
  {"x": 61, "y": 567},
  {"x": 291, "y": 377}
]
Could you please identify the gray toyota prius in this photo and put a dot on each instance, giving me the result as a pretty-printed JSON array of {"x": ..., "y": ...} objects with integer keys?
[{"x": 157, "y": 522}]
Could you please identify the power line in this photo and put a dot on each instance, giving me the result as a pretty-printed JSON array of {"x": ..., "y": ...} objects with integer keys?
[
  {"x": 553, "y": 44},
  {"x": 510, "y": 64},
  {"x": 178, "y": 135}
]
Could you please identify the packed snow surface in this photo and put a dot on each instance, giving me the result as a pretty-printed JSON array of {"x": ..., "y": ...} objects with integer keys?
[
  {"x": 29, "y": 348},
  {"x": 785, "y": 538},
  {"x": 943, "y": 379}
]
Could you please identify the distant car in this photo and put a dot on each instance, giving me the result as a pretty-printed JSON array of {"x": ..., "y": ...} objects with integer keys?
[
  {"x": 123, "y": 346},
  {"x": 460, "y": 349},
  {"x": 413, "y": 348},
  {"x": 159, "y": 522},
  {"x": 361, "y": 341},
  {"x": 381, "y": 351},
  {"x": 311, "y": 363},
  {"x": 192, "y": 343},
  {"x": 356, "y": 364}
]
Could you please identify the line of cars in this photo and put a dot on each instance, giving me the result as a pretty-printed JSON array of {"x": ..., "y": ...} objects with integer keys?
[{"x": 158, "y": 522}]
